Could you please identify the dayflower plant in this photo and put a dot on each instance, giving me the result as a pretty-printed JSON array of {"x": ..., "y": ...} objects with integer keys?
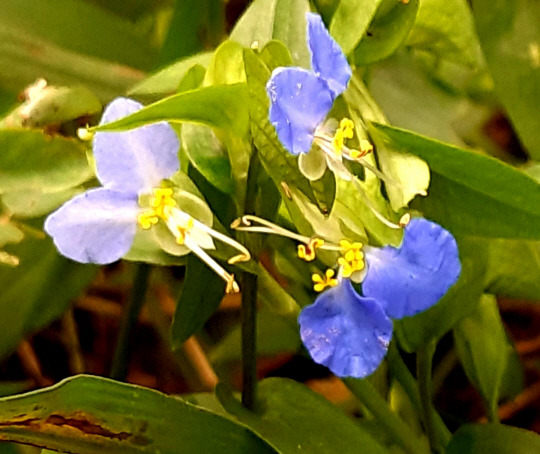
[
  {"x": 99, "y": 225},
  {"x": 349, "y": 331},
  {"x": 301, "y": 99}
]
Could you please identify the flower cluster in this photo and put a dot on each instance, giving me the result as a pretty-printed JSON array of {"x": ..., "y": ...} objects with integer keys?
[
  {"x": 99, "y": 226},
  {"x": 349, "y": 332}
]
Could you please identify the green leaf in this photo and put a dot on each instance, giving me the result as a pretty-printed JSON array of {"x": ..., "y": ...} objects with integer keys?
[
  {"x": 282, "y": 20},
  {"x": 446, "y": 28},
  {"x": 292, "y": 419},
  {"x": 208, "y": 156},
  {"x": 59, "y": 66},
  {"x": 193, "y": 79},
  {"x": 222, "y": 106},
  {"x": 472, "y": 193},
  {"x": 31, "y": 160},
  {"x": 387, "y": 32},
  {"x": 91, "y": 415},
  {"x": 351, "y": 21},
  {"x": 43, "y": 286},
  {"x": 81, "y": 27},
  {"x": 508, "y": 33},
  {"x": 9, "y": 233},
  {"x": 483, "y": 349},
  {"x": 194, "y": 26},
  {"x": 227, "y": 65},
  {"x": 49, "y": 105},
  {"x": 28, "y": 203},
  {"x": 513, "y": 269},
  {"x": 202, "y": 292},
  {"x": 493, "y": 439},
  {"x": 411, "y": 100},
  {"x": 409, "y": 172},
  {"x": 460, "y": 301},
  {"x": 165, "y": 81}
]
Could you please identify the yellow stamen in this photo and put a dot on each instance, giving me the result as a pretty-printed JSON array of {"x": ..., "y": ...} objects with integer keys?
[
  {"x": 345, "y": 131},
  {"x": 321, "y": 282},
  {"x": 161, "y": 203},
  {"x": 307, "y": 251},
  {"x": 352, "y": 258},
  {"x": 182, "y": 229}
]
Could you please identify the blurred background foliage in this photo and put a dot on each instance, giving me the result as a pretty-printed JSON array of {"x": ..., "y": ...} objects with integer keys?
[{"x": 463, "y": 73}]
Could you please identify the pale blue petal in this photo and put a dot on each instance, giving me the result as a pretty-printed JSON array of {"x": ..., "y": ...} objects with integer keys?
[
  {"x": 345, "y": 332},
  {"x": 134, "y": 161},
  {"x": 327, "y": 58},
  {"x": 97, "y": 226},
  {"x": 299, "y": 102},
  {"x": 413, "y": 277}
]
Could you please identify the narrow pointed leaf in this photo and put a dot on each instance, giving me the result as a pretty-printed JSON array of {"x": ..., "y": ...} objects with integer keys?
[
  {"x": 91, "y": 415},
  {"x": 222, "y": 106}
]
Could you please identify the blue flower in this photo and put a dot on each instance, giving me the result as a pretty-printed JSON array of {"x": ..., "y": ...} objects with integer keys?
[
  {"x": 99, "y": 226},
  {"x": 301, "y": 99},
  {"x": 349, "y": 333}
]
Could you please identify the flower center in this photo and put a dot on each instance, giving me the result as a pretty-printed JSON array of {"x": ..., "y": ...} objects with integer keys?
[
  {"x": 352, "y": 258},
  {"x": 160, "y": 208},
  {"x": 336, "y": 145}
]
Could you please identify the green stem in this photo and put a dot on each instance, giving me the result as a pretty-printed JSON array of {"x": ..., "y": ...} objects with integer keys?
[
  {"x": 121, "y": 356},
  {"x": 401, "y": 373},
  {"x": 492, "y": 411},
  {"x": 394, "y": 426},
  {"x": 424, "y": 360}
]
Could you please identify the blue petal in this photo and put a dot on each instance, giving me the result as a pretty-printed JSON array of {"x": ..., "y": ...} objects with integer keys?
[
  {"x": 299, "y": 102},
  {"x": 346, "y": 332},
  {"x": 134, "y": 161},
  {"x": 413, "y": 277},
  {"x": 97, "y": 226},
  {"x": 327, "y": 58}
]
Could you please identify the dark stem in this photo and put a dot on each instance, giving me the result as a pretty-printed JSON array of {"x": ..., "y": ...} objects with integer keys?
[
  {"x": 129, "y": 319},
  {"x": 249, "y": 298},
  {"x": 249, "y": 340}
]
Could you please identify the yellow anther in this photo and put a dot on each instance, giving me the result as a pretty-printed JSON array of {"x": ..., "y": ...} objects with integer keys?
[
  {"x": 345, "y": 131},
  {"x": 365, "y": 148},
  {"x": 352, "y": 258},
  {"x": 147, "y": 219},
  {"x": 347, "y": 126},
  {"x": 337, "y": 142},
  {"x": 321, "y": 282},
  {"x": 232, "y": 286},
  {"x": 182, "y": 229},
  {"x": 307, "y": 251},
  {"x": 161, "y": 203}
]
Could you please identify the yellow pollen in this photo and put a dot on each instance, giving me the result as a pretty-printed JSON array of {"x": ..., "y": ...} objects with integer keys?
[
  {"x": 345, "y": 131},
  {"x": 307, "y": 251},
  {"x": 161, "y": 204},
  {"x": 181, "y": 231},
  {"x": 321, "y": 282},
  {"x": 365, "y": 148},
  {"x": 352, "y": 257}
]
